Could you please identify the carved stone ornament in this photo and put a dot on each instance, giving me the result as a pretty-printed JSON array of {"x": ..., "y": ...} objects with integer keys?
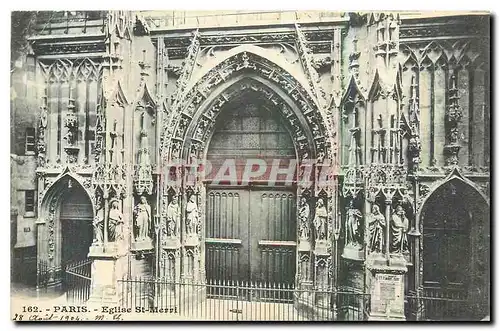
[
  {"x": 249, "y": 61},
  {"x": 51, "y": 229}
]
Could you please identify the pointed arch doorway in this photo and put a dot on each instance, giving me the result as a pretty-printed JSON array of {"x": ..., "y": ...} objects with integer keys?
[
  {"x": 66, "y": 233},
  {"x": 456, "y": 253},
  {"x": 76, "y": 225},
  {"x": 250, "y": 220}
]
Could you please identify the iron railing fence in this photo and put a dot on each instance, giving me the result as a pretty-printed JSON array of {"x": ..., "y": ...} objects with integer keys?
[
  {"x": 77, "y": 281},
  {"x": 218, "y": 300},
  {"x": 46, "y": 276},
  {"x": 444, "y": 309},
  {"x": 183, "y": 19},
  {"x": 69, "y": 22}
]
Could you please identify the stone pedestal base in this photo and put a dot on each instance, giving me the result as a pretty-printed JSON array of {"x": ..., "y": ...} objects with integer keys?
[
  {"x": 387, "y": 289},
  {"x": 142, "y": 245},
  {"x": 192, "y": 241},
  {"x": 304, "y": 246},
  {"x": 109, "y": 264},
  {"x": 353, "y": 252},
  {"x": 321, "y": 247},
  {"x": 172, "y": 243}
]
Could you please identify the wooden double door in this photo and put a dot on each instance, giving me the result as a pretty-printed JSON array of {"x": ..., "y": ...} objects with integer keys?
[{"x": 251, "y": 234}]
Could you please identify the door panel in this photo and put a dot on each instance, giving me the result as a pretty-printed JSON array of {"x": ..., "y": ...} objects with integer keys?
[
  {"x": 272, "y": 244},
  {"x": 227, "y": 234},
  {"x": 251, "y": 235}
]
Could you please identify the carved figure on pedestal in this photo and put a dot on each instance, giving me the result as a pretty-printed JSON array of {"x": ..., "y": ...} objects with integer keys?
[
  {"x": 376, "y": 224},
  {"x": 352, "y": 226},
  {"x": 69, "y": 138},
  {"x": 143, "y": 158},
  {"x": 142, "y": 216},
  {"x": 173, "y": 216},
  {"x": 320, "y": 216},
  {"x": 399, "y": 230},
  {"x": 304, "y": 211},
  {"x": 192, "y": 216},
  {"x": 115, "y": 222},
  {"x": 98, "y": 224}
]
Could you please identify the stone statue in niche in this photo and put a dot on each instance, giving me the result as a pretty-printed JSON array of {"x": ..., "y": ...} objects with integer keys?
[
  {"x": 304, "y": 219},
  {"x": 143, "y": 158},
  {"x": 69, "y": 138},
  {"x": 98, "y": 224},
  {"x": 399, "y": 230},
  {"x": 114, "y": 144},
  {"x": 192, "y": 216},
  {"x": 173, "y": 216},
  {"x": 142, "y": 217},
  {"x": 320, "y": 216},
  {"x": 115, "y": 222},
  {"x": 376, "y": 224},
  {"x": 353, "y": 226}
]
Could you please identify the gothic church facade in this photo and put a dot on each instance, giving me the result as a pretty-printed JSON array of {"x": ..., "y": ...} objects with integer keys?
[{"x": 359, "y": 145}]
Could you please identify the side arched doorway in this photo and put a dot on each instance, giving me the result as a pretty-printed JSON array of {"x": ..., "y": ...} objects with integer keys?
[
  {"x": 76, "y": 226},
  {"x": 65, "y": 232},
  {"x": 250, "y": 214},
  {"x": 456, "y": 254}
]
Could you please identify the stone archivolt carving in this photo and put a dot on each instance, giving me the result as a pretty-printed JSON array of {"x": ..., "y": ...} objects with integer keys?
[
  {"x": 51, "y": 229},
  {"x": 231, "y": 66},
  {"x": 208, "y": 120}
]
